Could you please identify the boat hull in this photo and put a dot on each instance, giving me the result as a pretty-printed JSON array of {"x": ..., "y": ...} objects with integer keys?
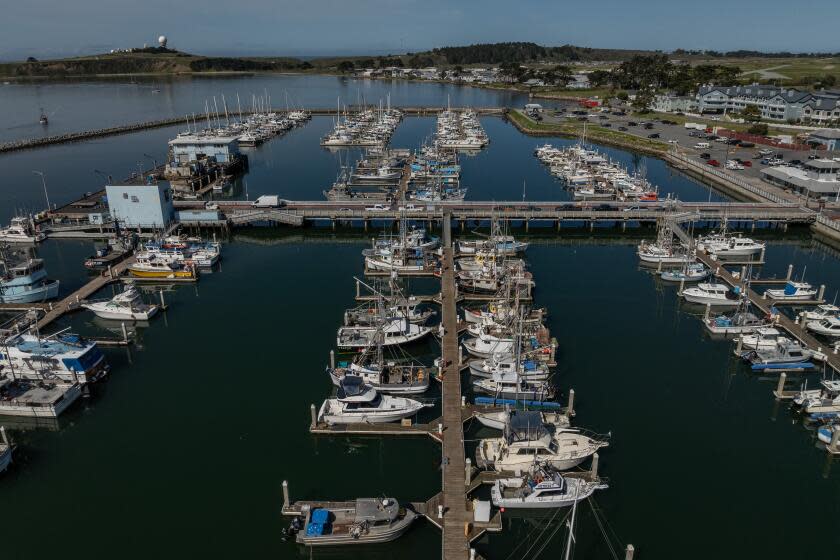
[{"x": 381, "y": 536}]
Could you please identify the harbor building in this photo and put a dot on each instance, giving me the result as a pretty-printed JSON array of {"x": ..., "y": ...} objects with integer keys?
[
  {"x": 145, "y": 204},
  {"x": 818, "y": 177},
  {"x": 189, "y": 148},
  {"x": 828, "y": 137},
  {"x": 774, "y": 103},
  {"x": 669, "y": 103}
]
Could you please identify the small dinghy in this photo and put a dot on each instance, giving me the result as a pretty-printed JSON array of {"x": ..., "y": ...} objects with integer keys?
[
  {"x": 356, "y": 402},
  {"x": 543, "y": 487},
  {"x": 826, "y": 433}
]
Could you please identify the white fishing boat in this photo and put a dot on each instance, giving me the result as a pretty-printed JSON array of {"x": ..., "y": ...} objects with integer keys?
[
  {"x": 543, "y": 487},
  {"x": 690, "y": 273},
  {"x": 21, "y": 230},
  {"x": 786, "y": 353},
  {"x": 356, "y": 402},
  {"x": 716, "y": 295},
  {"x": 510, "y": 385},
  {"x": 763, "y": 338},
  {"x": 668, "y": 254},
  {"x": 793, "y": 291},
  {"x": 822, "y": 311},
  {"x": 732, "y": 247},
  {"x": 394, "y": 331},
  {"x": 826, "y": 327},
  {"x": 125, "y": 306},
  {"x": 387, "y": 378},
  {"x": 528, "y": 370},
  {"x": 826, "y": 399},
  {"x": 485, "y": 345},
  {"x": 523, "y": 441},
  {"x": 36, "y": 399}
]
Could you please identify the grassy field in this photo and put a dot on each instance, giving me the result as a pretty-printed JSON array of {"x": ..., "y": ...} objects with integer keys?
[{"x": 783, "y": 71}]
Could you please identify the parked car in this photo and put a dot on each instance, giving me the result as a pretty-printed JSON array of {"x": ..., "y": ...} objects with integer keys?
[
  {"x": 648, "y": 126},
  {"x": 604, "y": 207},
  {"x": 603, "y": 117},
  {"x": 745, "y": 162},
  {"x": 622, "y": 128},
  {"x": 631, "y": 123},
  {"x": 654, "y": 135},
  {"x": 795, "y": 162},
  {"x": 705, "y": 155},
  {"x": 747, "y": 144},
  {"x": 377, "y": 208},
  {"x": 606, "y": 125},
  {"x": 713, "y": 163}
]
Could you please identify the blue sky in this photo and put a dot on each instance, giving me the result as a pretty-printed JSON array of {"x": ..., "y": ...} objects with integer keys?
[{"x": 320, "y": 27}]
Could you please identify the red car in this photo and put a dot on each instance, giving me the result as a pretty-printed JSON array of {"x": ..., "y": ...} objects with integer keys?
[
  {"x": 746, "y": 163},
  {"x": 713, "y": 162}
]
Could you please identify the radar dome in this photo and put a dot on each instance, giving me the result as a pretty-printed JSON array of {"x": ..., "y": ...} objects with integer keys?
[{"x": 162, "y": 41}]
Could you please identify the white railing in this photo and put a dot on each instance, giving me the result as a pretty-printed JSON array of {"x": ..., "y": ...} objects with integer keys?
[{"x": 828, "y": 222}]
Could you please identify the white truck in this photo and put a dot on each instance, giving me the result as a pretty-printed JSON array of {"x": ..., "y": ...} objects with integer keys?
[
  {"x": 695, "y": 126},
  {"x": 268, "y": 201}
]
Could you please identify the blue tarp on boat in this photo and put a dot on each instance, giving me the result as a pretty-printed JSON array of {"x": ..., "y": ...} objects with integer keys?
[
  {"x": 490, "y": 401},
  {"x": 788, "y": 365}
]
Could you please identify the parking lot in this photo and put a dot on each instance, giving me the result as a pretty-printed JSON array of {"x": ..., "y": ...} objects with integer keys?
[{"x": 685, "y": 139}]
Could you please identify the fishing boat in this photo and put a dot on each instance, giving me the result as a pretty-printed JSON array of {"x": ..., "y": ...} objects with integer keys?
[
  {"x": 824, "y": 400},
  {"x": 510, "y": 385},
  {"x": 736, "y": 323},
  {"x": 370, "y": 314},
  {"x": 485, "y": 345},
  {"x": 713, "y": 294},
  {"x": 786, "y": 354},
  {"x": 363, "y": 521},
  {"x": 125, "y": 306},
  {"x": 36, "y": 399},
  {"x": 357, "y": 402},
  {"x": 63, "y": 356},
  {"x": 393, "y": 331},
  {"x": 387, "y": 377},
  {"x": 822, "y": 311},
  {"x": 665, "y": 254},
  {"x": 21, "y": 230},
  {"x": 26, "y": 282},
  {"x": 829, "y": 326},
  {"x": 730, "y": 246},
  {"x": 762, "y": 338},
  {"x": 793, "y": 291},
  {"x": 152, "y": 266},
  {"x": 525, "y": 438},
  {"x": 543, "y": 487},
  {"x": 689, "y": 273},
  {"x": 498, "y": 419},
  {"x": 529, "y": 370},
  {"x": 499, "y": 244}
]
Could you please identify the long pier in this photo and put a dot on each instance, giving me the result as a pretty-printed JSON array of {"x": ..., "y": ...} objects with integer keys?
[{"x": 29, "y": 143}]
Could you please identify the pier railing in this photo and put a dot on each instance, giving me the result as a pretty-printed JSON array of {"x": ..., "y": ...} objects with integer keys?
[{"x": 741, "y": 183}]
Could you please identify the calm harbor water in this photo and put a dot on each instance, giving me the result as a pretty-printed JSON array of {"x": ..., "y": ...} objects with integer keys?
[
  {"x": 92, "y": 104},
  {"x": 185, "y": 446}
]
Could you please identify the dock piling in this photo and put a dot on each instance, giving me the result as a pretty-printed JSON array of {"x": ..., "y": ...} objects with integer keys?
[
  {"x": 468, "y": 471},
  {"x": 708, "y": 310},
  {"x": 834, "y": 446},
  {"x": 570, "y": 410},
  {"x": 332, "y": 359},
  {"x": 629, "y": 551},
  {"x": 789, "y": 272},
  {"x": 162, "y": 302},
  {"x": 594, "y": 471},
  {"x": 124, "y": 332},
  {"x": 5, "y": 439},
  {"x": 285, "y": 494},
  {"x": 822, "y": 292},
  {"x": 780, "y": 387},
  {"x": 740, "y": 346},
  {"x": 312, "y": 416}
]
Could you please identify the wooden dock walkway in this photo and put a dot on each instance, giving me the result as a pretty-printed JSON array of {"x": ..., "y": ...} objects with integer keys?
[
  {"x": 794, "y": 328},
  {"x": 456, "y": 516}
]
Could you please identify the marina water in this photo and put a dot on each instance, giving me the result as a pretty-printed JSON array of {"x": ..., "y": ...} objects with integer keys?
[{"x": 185, "y": 446}]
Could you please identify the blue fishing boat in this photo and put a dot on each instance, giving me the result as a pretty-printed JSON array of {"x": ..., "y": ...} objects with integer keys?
[
  {"x": 26, "y": 283},
  {"x": 66, "y": 357}
]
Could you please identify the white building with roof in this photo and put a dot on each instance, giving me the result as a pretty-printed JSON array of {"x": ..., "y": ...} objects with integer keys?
[
  {"x": 187, "y": 148},
  {"x": 818, "y": 177}
]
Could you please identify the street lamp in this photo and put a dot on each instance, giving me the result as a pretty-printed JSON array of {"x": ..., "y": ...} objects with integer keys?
[{"x": 44, "y": 183}]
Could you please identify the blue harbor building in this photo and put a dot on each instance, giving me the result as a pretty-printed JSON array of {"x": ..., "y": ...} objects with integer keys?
[{"x": 141, "y": 203}]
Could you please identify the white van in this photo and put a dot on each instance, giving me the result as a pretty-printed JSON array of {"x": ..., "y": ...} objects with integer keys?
[{"x": 702, "y": 145}]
